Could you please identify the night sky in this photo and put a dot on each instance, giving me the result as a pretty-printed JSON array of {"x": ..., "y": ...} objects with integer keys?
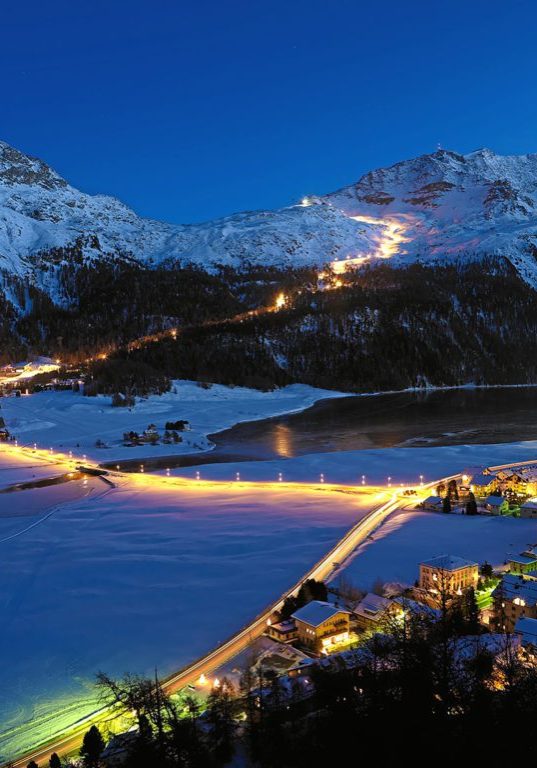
[{"x": 192, "y": 110}]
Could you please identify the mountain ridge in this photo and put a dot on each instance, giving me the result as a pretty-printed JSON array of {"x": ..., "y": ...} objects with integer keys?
[{"x": 441, "y": 206}]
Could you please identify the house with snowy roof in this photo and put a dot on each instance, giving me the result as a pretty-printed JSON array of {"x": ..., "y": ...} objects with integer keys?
[
  {"x": 321, "y": 625},
  {"x": 373, "y": 610},
  {"x": 494, "y": 505},
  {"x": 483, "y": 484},
  {"x": 529, "y": 508},
  {"x": 515, "y": 597},
  {"x": 449, "y": 574},
  {"x": 526, "y": 630},
  {"x": 521, "y": 563}
]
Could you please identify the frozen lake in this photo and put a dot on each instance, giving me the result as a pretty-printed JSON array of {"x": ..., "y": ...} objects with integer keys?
[{"x": 143, "y": 578}]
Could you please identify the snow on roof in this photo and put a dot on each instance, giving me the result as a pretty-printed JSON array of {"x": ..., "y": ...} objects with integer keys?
[
  {"x": 317, "y": 612},
  {"x": 433, "y": 500},
  {"x": 448, "y": 562},
  {"x": 522, "y": 560},
  {"x": 512, "y": 586},
  {"x": 483, "y": 479},
  {"x": 529, "y": 504},
  {"x": 372, "y": 606},
  {"x": 494, "y": 501},
  {"x": 527, "y": 629}
]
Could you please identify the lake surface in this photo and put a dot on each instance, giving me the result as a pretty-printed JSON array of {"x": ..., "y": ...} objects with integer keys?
[{"x": 405, "y": 419}]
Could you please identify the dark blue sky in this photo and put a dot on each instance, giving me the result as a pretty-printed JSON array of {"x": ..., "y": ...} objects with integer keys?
[{"x": 191, "y": 110}]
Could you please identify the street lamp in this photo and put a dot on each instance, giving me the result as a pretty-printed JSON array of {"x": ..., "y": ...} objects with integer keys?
[{"x": 321, "y": 478}]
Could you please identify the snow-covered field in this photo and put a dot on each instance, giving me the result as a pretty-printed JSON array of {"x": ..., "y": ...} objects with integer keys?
[
  {"x": 144, "y": 577},
  {"x": 394, "y": 552},
  {"x": 69, "y": 421}
]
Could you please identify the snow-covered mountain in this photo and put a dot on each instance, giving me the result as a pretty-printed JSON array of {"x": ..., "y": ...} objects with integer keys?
[{"x": 434, "y": 207}]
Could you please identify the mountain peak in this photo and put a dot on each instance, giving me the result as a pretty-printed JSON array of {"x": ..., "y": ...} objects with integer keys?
[{"x": 18, "y": 168}]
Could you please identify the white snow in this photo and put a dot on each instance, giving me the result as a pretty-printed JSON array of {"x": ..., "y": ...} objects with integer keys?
[
  {"x": 143, "y": 578},
  {"x": 393, "y": 553},
  {"x": 448, "y": 206},
  {"x": 69, "y": 421}
]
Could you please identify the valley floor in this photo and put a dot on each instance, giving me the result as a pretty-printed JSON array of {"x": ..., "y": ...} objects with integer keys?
[{"x": 154, "y": 574}]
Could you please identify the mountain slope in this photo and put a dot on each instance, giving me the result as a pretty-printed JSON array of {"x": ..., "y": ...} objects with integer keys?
[{"x": 433, "y": 208}]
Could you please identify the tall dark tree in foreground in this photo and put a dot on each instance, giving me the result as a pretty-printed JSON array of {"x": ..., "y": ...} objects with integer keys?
[{"x": 92, "y": 748}]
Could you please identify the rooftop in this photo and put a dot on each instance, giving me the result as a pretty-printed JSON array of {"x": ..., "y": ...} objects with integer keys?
[
  {"x": 494, "y": 501},
  {"x": 512, "y": 586},
  {"x": 317, "y": 612},
  {"x": 372, "y": 606},
  {"x": 482, "y": 479},
  {"x": 448, "y": 562},
  {"x": 527, "y": 629}
]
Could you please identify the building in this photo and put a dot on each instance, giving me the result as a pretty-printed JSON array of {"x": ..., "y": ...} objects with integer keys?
[
  {"x": 526, "y": 629},
  {"x": 373, "y": 610},
  {"x": 449, "y": 574},
  {"x": 521, "y": 563},
  {"x": 495, "y": 505},
  {"x": 433, "y": 504},
  {"x": 282, "y": 631},
  {"x": 529, "y": 508},
  {"x": 321, "y": 625},
  {"x": 514, "y": 598},
  {"x": 483, "y": 484}
]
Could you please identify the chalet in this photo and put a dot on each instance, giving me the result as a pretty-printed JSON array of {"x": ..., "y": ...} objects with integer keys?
[
  {"x": 373, "y": 610},
  {"x": 483, "y": 484},
  {"x": 515, "y": 597},
  {"x": 529, "y": 508},
  {"x": 321, "y": 625},
  {"x": 521, "y": 564},
  {"x": 447, "y": 573},
  {"x": 526, "y": 630},
  {"x": 282, "y": 631},
  {"x": 494, "y": 505}
]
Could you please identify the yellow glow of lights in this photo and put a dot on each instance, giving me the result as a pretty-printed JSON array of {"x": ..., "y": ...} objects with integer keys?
[
  {"x": 388, "y": 241},
  {"x": 281, "y": 301}
]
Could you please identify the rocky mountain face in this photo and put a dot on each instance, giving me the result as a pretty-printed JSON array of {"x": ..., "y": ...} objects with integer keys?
[{"x": 433, "y": 208}]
